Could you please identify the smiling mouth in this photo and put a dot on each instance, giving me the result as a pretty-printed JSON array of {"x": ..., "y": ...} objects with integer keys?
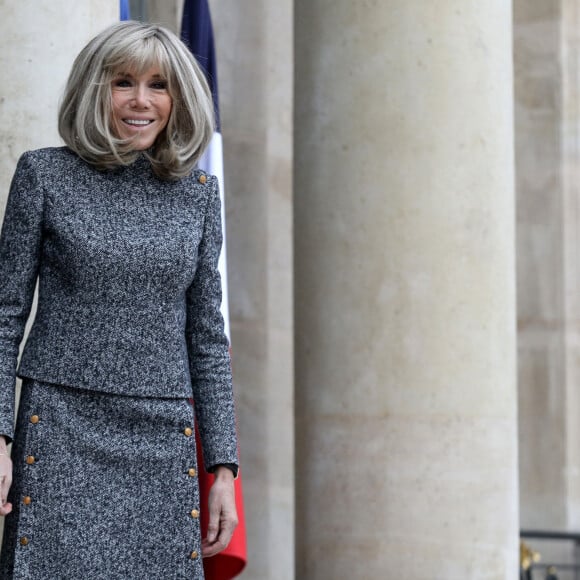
[{"x": 138, "y": 122}]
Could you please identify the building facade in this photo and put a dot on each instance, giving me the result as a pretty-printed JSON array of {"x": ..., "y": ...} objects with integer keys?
[{"x": 402, "y": 222}]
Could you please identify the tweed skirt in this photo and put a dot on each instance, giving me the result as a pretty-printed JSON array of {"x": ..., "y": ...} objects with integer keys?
[{"x": 105, "y": 487}]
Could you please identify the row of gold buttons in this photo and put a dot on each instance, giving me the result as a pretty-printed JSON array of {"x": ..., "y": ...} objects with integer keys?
[
  {"x": 30, "y": 460},
  {"x": 188, "y": 432}
]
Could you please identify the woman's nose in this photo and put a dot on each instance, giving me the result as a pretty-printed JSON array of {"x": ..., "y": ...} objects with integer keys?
[{"x": 141, "y": 96}]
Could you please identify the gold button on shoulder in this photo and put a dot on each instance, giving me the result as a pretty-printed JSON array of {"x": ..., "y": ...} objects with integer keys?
[
  {"x": 24, "y": 540},
  {"x": 191, "y": 472},
  {"x": 26, "y": 500},
  {"x": 34, "y": 419},
  {"x": 202, "y": 179},
  {"x": 30, "y": 459},
  {"x": 194, "y": 555},
  {"x": 188, "y": 431},
  {"x": 194, "y": 514}
]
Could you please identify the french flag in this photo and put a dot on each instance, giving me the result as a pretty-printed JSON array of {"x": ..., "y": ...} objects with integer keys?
[
  {"x": 125, "y": 11},
  {"x": 197, "y": 33}
]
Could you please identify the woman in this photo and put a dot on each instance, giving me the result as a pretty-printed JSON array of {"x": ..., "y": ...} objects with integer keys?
[{"x": 124, "y": 236}]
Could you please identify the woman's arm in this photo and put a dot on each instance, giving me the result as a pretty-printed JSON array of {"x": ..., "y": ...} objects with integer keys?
[
  {"x": 210, "y": 369},
  {"x": 208, "y": 346},
  {"x": 20, "y": 246}
]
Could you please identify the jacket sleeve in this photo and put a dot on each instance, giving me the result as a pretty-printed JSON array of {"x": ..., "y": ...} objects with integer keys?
[
  {"x": 20, "y": 246},
  {"x": 208, "y": 347}
]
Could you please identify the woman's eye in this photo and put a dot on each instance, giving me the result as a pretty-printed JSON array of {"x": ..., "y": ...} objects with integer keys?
[
  {"x": 159, "y": 85},
  {"x": 121, "y": 83}
]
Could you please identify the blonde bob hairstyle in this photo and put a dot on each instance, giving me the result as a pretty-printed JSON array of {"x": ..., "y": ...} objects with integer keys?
[{"x": 85, "y": 114}]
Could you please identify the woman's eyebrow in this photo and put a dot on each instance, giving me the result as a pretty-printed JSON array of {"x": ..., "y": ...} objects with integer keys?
[{"x": 126, "y": 74}]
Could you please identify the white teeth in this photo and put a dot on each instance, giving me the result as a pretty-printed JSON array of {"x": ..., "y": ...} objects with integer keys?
[{"x": 138, "y": 121}]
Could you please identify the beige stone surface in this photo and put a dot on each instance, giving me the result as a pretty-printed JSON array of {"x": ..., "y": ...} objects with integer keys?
[
  {"x": 254, "y": 51},
  {"x": 39, "y": 42},
  {"x": 547, "y": 105},
  {"x": 541, "y": 306},
  {"x": 405, "y": 291},
  {"x": 165, "y": 12},
  {"x": 571, "y": 211}
]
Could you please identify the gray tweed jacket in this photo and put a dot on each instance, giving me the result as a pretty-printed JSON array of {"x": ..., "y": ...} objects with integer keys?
[{"x": 129, "y": 291}]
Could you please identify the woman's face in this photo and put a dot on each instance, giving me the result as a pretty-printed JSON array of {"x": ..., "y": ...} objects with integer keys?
[{"x": 141, "y": 106}]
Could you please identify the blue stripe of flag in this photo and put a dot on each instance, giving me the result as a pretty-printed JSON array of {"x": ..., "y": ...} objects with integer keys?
[
  {"x": 125, "y": 12},
  {"x": 197, "y": 33}
]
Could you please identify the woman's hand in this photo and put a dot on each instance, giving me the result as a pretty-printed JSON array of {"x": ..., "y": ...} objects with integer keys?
[
  {"x": 5, "y": 478},
  {"x": 223, "y": 517}
]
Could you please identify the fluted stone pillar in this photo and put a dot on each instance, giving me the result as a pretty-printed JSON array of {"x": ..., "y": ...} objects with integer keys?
[
  {"x": 570, "y": 22},
  {"x": 254, "y": 52},
  {"x": 547, "y": 99},
  {"x": 406, "y": 438},
  {"x": 541, "y": 124},
  {"x": 38, "y": 42}
]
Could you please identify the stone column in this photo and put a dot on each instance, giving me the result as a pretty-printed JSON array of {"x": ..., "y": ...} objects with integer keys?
[
  {"x": 165, "y": 12},
  {"x": 547, "y": 112},
  {"x": 570, "y": 26},
  {"x": 255, "y": 66},
  {"x": 406, "y": 438},
  {"x": 38, "y": 43},
  {"x": 539, "y": 124}
]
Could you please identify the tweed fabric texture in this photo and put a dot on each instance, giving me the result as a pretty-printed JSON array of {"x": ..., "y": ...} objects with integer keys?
[
  {"x": 114, "y": 505},
  {"x": 129, "y": 290}
]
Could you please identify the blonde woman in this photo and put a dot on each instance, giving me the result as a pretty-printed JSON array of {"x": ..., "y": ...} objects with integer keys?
[{"x": 124, "y": 236}]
